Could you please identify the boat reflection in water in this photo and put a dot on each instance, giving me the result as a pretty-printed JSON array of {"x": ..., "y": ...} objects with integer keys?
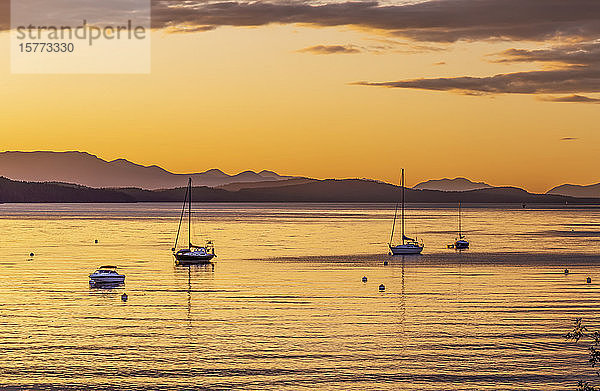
[
  {"x": 106, "y": 285},
  {"x": 198, "y": 273}
]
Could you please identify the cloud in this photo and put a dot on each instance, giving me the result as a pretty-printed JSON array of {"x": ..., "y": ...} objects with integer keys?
[
  {"x": 330, "y": 49},
  {"x": 425, "y": 21},
  {"x": 572, "y": 99},
  {"x": 192, "y": 29},
  {"x": 575, "y": 69},
  {"x": 571, "y": 69},
  {"x": 4, "y": 15},
  {"x": 561, "y": 81},
  {"x": 73, "y": 13},
  {"x": 433, "y": 20},
  {"x": 580, "y": 53}
]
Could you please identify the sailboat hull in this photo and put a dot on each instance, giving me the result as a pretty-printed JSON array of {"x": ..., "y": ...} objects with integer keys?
[
  {"x": 461, "y": 244},
  {"x": 406, "y": 249},
  {"x": 193, "y": 258}
]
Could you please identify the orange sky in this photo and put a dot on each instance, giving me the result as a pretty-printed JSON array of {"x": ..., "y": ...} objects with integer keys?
[{"x": 239, "y": 98}]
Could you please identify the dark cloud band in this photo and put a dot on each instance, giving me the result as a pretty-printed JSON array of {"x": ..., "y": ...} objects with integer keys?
[
  {"x": 577, "y": 70},
  {"x": 330, "y": 49},
  {"x": 434, "y": 20},
  {"x": 438, "y": 20},
  {"x": 572, "y": 99},
  {"x": 562, "y": 81}
]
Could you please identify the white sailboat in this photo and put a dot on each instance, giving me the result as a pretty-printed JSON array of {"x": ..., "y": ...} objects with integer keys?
[
  {"x": 461, "y": 242},
  {"x": 193, "y": 255},
  {"x": 408, "y": 245}
]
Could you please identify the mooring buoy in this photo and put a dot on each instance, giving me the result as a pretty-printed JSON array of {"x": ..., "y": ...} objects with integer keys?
[
  {"x": 566, "y": 271},
  {"x": 96, "y": 241},
  {"x": 381, "y": 288},
  {"x": 589, "y": 280},
  {"x": 124, "y": 297},
  {"x": 364, "y": 279},
  {"x": 31, "y": 254},
  {"x": 385, "y": 263}
]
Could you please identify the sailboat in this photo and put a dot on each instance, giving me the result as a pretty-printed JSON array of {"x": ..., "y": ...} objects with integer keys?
[
  {"x": 461, "y": 242},
  {"x": 192, "y": 255},
  {"x": 408, "y": 246}
]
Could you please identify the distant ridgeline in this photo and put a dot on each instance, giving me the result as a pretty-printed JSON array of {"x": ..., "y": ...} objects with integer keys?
[
  {"x": 89, "y": 170},
  {"x": 293, "y": 190},
  {"x": 16, "y": 191}
]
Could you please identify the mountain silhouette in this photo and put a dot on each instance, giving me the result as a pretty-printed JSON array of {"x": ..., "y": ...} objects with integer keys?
[
  {"x": 589, "y": 191},
  {"x": 329, "y": 190},
  {"x": 89, "y": 170},
  {"x": 446, "y": 184}
]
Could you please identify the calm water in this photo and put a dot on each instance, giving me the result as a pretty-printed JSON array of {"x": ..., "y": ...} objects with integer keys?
[{"x": 285, "y": 308}]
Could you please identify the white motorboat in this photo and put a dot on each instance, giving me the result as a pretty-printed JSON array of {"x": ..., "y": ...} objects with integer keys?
[
  {"x": 107, "y": 275},
  {"x": 192, "y": 255},
  {"x": 408, "y": 245}
]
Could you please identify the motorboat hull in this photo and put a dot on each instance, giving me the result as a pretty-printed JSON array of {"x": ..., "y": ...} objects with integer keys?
[
  {"x": 406, "y": 249},
  {"x": 107, "y": 280}
]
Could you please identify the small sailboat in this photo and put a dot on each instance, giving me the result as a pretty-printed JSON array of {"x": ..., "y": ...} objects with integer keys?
[
  {"x": 409, "y": 245},
  {"x": 192, "y": 255},
  {"x": 461, "y": 242}
]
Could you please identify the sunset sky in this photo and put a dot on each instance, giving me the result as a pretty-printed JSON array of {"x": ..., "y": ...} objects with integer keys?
[{"x": 504, "y": 91}]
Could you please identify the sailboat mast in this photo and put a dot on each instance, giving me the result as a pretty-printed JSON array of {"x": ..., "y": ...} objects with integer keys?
[
  {"x": 394, "y": 224},
  {"x": 459, "y": 222},
  {"x": 402, "y": 206},
  {"x": 190, "y": 214},
  {"x": 181, "y": 218}
]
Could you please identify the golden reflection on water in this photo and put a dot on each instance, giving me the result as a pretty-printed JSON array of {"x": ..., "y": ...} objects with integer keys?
[{"x": 481, "y": 319}]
